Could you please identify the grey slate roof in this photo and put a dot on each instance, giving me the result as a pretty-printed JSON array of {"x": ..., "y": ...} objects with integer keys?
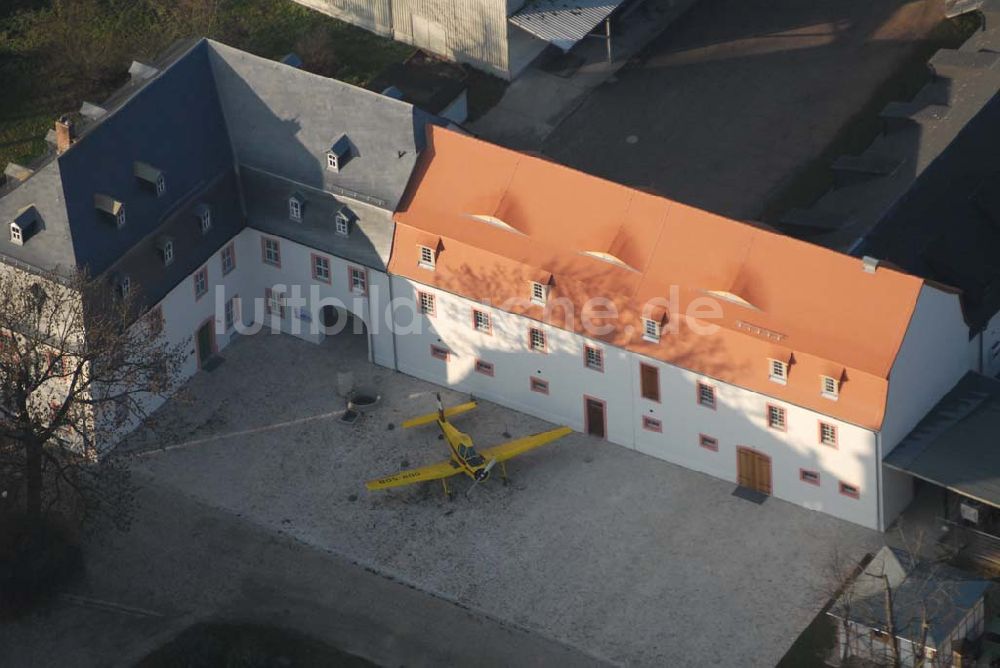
[
  {"x": 954, "y": 445},
  {"x": 283, "y": 120},
  {"x": 266, "y": 197},
  {"x": 948, "y": 594},
  {"x": 212, "y": 118}
]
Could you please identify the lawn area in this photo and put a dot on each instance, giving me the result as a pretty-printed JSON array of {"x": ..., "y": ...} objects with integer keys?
[{"x": 54, "y": 54}]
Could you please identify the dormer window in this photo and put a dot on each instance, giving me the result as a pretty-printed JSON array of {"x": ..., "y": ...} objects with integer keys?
[
  {"x": 343, "y": 223},
  {"x": 339, "y": 154},
  {"x": 650, "y": 330},
  {"x": 24, "y": 225},
  {"x": 779, "y": 371},
  {"x": 204, "y": 215},
  {"x": 427, "y": 259},
  {"x": 539, "y": 293},
  {"x": 829, "y": 387},
  {"x": 111, "y": 208},
  {"x": 151, "y": 177},
  {"x": 166, "y": 248},
  {"x": 295, "y": 208}
]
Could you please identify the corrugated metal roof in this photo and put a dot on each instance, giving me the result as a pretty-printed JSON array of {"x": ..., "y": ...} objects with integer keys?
[{"x": 563, "y": 22}]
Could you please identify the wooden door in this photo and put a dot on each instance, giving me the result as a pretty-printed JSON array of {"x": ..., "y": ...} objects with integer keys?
[
  {"x": 205, "y": 343},
  {"x": 595, "y": 417},
  {"x": 753, "y": 470}
]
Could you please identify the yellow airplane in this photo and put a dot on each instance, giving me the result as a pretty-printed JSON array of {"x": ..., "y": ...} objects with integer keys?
[{"x": 464, "y": 457}]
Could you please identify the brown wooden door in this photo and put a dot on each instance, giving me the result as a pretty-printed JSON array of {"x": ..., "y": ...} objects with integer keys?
[
  {"x": 594, "y": 416},
  {"x": 753, "y": 470}
]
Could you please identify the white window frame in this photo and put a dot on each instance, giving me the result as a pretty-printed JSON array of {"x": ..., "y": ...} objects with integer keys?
[
  {"x": 831, "y": 429},
  {"x": 168, "y": 253},
  {"x": 428, "y": 304},
  {"x": 481, "y": 321},
  {"x": 276, "y": 303},
  {"x": 161, "y": 184},
  {"x": 228, "y": 254},
  {"x": 829, "y": 387},
  {"x": 427, "y": 259},
  {"x": 777, "y": 417},
  {"x": 229, "y": 313},
  {"x": 593, "y": 357},
  {"x": 539, "y": 293},
  {"x": 343, "y": 224},
  {"x": 541, "y": 340},
  {"x": 650, "y": 330},
  {"x": 778, "y": 371},
  {"x": 272, "y": 247},
  {"x": 321, "y": 268},
  {"x": 294, "y": 209},
  {"x": 359, "y": 280},
  {"x": 15, "y": 234},
  {"x": 120, "y": 217},
  {"x": 332, "y": 161},
  {"x": 205, "y": 220},
  {"x": 201, "y": 282}
]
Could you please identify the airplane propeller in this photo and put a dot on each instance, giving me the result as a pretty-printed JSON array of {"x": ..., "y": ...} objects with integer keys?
[{"x": 481, "y": 475}]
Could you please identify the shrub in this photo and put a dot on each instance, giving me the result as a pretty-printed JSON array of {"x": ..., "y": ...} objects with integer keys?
[{"x": 37, "y": 560}]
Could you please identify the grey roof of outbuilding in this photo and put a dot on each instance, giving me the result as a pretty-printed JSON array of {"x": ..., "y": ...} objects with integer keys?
[
  {"x": 283, "y": 120},
  {"x": 945, "y": 593},
  {"x": 954, "y": 445},
  {"x": 206, "y": 111},
  {"x": 266, "y": 197}
]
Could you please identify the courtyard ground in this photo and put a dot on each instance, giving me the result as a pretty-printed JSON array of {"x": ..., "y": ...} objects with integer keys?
[
  {"x": 593, "y": 545},
  {"x": 728, "y": 105}
]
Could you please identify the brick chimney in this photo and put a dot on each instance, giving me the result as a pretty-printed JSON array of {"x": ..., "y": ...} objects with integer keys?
[{"x": 65, "y": 135}]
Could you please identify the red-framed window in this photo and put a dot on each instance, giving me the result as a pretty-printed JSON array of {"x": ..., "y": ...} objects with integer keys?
[
  {"x": 539, "y": 385},
  {"x": 706, "y": 395},
  {"x": 358, "y": 280},
  {"x": 482, "y": 322},
  {"x": 484, "y": 367},
  {"x": 426, "y": 303},
  {"x": 440, "y": 353},
  {"x": 274, "y": 302},
  {"x": 708, "y": 442},
  {"x": 809, "y": 476},
  {"x": 201, "y": 283},
  {"x": 593, "y": 358},
  {"x": 649, "y": 382},
  {"x": 321, "y": 268},
  {"x": 828, "y": 434},
  {"x": 228, "y": 258},
  {"x": 270, "y": 251},
  {"x": 652, "y": 424},
  {"x": 536, "y": 340},
  {"x": 852, "y": 491},
  {"x": 777, "y": 417}
]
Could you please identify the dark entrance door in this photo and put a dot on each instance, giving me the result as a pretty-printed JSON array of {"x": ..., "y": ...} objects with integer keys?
[
  {"x": 206, "y": 343},
  {"x": 328, "y": 316},
  {"x": 753, "y": 470},
  {"x": 594, "y": 416}
]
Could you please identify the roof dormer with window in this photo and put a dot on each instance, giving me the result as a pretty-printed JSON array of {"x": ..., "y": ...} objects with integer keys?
[
  {"x": 24, "y": 225},
  {"x": 165, "y": 245},
  {"x": 338, "y": 154},
  {"x": 112, "y": 209},
  {"x": 778, "y": 371},
  {"x": 342, "y": 222},
  {"x": 204, "y": 215},
  {"x": 427, "y": 257},
  {"x": 829, "y": 387},
  {"x": 151, "y": 177},
  {"x": 296, "y": 205}
]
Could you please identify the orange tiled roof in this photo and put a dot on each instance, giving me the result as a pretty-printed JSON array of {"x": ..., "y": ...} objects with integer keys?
[{"x": 500, "y": 218}]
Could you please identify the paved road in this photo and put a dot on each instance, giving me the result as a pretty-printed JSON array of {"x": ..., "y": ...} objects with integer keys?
[
  {"x": 736, "y": 95},
  {"x": 185, "y": 561}
]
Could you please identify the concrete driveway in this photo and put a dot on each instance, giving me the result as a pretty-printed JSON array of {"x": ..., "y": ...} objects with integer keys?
[
  {"x": 732, "y": 98},
  {"x": 625, "y": 557}
]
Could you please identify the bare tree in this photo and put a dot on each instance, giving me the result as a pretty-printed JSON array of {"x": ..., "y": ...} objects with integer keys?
[
  {"x": 79, "y": 365},
  {"x": 896, "y": 595}
]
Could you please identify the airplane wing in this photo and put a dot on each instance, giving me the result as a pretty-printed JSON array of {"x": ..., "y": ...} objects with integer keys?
[
  {"x": 519, "y": 446},
  {"x": 431, "y": 417},
  {"x": 437, "y": 471}
]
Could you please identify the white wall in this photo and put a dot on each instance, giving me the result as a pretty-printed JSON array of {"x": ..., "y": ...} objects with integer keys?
[
  {"x": 738, "y": 420},
  {"x": 932, "y": 358}
]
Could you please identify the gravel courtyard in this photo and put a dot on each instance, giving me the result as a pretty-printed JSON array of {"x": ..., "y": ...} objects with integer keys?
[{"x": 624, "y": 556}]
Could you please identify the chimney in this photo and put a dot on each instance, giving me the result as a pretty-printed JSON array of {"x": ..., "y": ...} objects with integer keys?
[
  {"x": 64, "y": 134},
  {"x": 870, "y": 264}
]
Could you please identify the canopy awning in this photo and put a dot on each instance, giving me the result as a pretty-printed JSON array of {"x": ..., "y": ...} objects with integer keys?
[
  {"x": 563, "y": 23},
  {"x": 955, "y": 445}
]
